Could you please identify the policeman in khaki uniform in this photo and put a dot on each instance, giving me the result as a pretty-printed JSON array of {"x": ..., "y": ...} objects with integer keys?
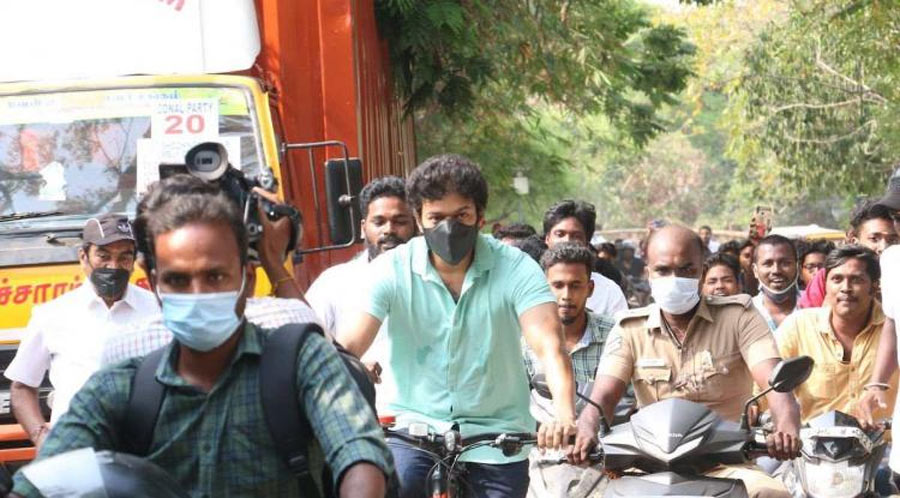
[{"x": 707, "y": 350}]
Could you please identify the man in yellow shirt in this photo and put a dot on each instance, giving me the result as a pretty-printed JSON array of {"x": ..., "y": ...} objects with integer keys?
[{"x": 842, "y": 339}]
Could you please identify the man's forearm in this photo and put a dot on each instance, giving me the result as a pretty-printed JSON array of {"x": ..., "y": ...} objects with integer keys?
[
  {"x": 607, "y": 392},
  {"x": 785, "y": 411},
  {"x": 561, "y": 382},
  {"x": 886, "y": 357},
  {"x": 26, "y": 407},
  {"x": 363, "y": 480},
  {"x": 282, "y": 282}
]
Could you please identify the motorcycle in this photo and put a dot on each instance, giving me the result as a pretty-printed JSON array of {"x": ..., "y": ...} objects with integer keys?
[
  {"x": 551, "y": 474},
  {"x": 837, "y": 458},
  {"x": 666, "y": 446}
]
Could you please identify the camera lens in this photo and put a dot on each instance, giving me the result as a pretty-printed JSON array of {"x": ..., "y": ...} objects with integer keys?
[{"x": 207, "y": 161}]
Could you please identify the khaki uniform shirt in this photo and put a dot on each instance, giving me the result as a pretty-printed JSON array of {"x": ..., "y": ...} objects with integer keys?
[
  {"x": 833, "y": 384},
  {"x": 723, "y": 340}
]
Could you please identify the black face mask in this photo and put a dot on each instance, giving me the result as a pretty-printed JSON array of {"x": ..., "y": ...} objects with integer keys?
[
  {"x": 110, "y": 283},
  {"x": 451, "y": 240}
]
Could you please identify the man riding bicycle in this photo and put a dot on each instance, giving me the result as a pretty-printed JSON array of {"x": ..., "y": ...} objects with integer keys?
[{"x": 458, "y": 304}]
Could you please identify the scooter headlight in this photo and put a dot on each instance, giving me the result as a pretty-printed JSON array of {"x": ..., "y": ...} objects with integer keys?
[{"x": 832, "y": 480}]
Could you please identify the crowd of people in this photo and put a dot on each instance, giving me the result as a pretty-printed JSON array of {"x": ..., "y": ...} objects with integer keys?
[{"x": 451, "y": 324}]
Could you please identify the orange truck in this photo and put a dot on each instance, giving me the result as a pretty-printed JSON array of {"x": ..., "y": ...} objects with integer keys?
[{"x": 93, "y": 101}]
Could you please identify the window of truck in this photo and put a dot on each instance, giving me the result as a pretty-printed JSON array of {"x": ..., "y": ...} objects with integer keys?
[{"x": 66, "y": 156}]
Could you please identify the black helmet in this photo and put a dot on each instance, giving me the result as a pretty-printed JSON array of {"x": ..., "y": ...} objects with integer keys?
[{"x": 85, "y": 472}]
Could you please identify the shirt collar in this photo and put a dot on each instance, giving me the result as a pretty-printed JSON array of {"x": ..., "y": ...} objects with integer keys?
[
  {"x": 483, "y": 261},
  {"x": 876, "y": 319},
  {"x": 250, "y": 344},
  {"x": 593, "y": 333},
  {"x": 90, "y": 296},
  {"x": 654, "y": 320},
  {"x": 758, "y": 299}
]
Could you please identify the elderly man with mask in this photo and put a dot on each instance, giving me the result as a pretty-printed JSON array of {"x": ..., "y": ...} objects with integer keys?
[
  {"x": 66, "y": 336},
  {"x": 709, "y": 350}
]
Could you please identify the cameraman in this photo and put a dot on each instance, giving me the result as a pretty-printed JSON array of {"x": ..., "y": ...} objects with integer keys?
[
  {"x": 211, "y": 432},
  {"x": 288, "y": 305}
]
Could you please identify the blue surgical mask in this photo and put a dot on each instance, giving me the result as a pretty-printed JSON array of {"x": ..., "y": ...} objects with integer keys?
[{"x": 201, "y": 322}]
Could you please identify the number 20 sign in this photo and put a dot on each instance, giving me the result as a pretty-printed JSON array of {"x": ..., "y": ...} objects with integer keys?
[{"x": 186, "y": 118}]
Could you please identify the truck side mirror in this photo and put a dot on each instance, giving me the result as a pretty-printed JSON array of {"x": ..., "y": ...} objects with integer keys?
[
  {"x": 343, "y": 182},
  {"x": 343, "y": 206}
]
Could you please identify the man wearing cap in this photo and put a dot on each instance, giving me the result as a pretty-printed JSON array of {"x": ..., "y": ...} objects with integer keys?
[{"x": 66, "y": 336}]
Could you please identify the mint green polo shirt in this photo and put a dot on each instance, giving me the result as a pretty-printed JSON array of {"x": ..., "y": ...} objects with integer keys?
[{"x": 459, "y": 362}]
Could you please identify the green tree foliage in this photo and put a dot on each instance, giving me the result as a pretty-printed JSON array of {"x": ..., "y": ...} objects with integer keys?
[
  {"x": 504, "y": 81},
  {"x": 817, "y": 108}
]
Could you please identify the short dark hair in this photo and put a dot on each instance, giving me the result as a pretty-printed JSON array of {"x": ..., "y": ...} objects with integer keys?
[
  {"x": 868, "y": 211},
  {"x": 807, "y": 247},
  {"x": 532, "y": 245},
  {"x": 582, "y": 211},
  {"x": 840, "y": 256},
  {"x": 732, "y": 246},
  {"x": 440, "y": 175},
  {"x": 386, "y": 186},
  {"x": 571, "y": 253},
  {"x": 744, "y": 243},
  {"x": 721, "y": 259},
  {"x": 609, "y": 248},
  {"x": 705, "y": 227},
  {"x": 609, "y": 270},
  {"x": 775, "y": 240},
  {"x": 179, "y": 200},
  {"x": 516, "y": 231}
]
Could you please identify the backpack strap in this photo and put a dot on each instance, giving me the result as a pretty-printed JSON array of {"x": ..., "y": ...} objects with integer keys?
[
  {"x": 287, "y": 421},
  {"x": 144, "y": 404}
]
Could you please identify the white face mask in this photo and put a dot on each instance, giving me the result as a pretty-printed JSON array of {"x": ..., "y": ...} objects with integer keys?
[{"x": 675, "y": 295}]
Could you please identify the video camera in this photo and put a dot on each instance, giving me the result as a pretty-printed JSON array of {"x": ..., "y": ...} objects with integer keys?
[{"x": 208, "y": 161}]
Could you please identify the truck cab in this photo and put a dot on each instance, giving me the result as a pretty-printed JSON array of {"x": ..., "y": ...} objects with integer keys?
[{"x": 85, "y": 124}]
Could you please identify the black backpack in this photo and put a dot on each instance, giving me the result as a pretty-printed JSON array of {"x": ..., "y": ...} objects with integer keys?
[{"x": 287, "y": 422}]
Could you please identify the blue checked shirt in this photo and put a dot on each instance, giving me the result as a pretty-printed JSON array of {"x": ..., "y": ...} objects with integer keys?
[
  {"x": 217, "y": 443},
  {"x": 586, "y": 354},
  {"x": 585, "y": 358}
]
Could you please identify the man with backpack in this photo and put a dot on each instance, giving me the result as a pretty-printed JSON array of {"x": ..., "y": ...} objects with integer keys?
[{"x": 212, "y": 418}]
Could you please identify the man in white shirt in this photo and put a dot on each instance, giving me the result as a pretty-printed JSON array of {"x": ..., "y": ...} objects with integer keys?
[
  {"x": 67, "y": 334},
  {"x": 776, "y": 269},
  {"x": 335, "y": 296},
  {"x": 874, "y": 393},
  {"x": 574, "y": 221}
]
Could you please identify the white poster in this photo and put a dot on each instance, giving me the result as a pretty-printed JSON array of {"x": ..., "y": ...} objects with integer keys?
[{"x": 177, "y": 119}]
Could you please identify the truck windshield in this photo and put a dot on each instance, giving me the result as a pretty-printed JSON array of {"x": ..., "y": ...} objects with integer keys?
[{"x": 67, "y": 156}]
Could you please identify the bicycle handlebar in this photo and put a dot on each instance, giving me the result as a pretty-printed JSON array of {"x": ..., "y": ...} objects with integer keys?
[{"x": 452, "y": 444}]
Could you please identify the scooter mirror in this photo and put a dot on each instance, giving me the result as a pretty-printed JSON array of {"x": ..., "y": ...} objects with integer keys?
[
  {"x": 539, "y": 384},
  {"x": 790, "y": 373}
]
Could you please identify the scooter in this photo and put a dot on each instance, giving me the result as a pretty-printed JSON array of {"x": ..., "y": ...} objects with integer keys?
[
  {"x": 672, "y": 442},
  {"x": 837, "y": 459}
]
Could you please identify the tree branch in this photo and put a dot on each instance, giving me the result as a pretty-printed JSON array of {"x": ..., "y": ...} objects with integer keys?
[
  {"x": 815, "y": 106},
  {"x": 830, "y": 140},
  {"x": 859, "y": 84}
]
